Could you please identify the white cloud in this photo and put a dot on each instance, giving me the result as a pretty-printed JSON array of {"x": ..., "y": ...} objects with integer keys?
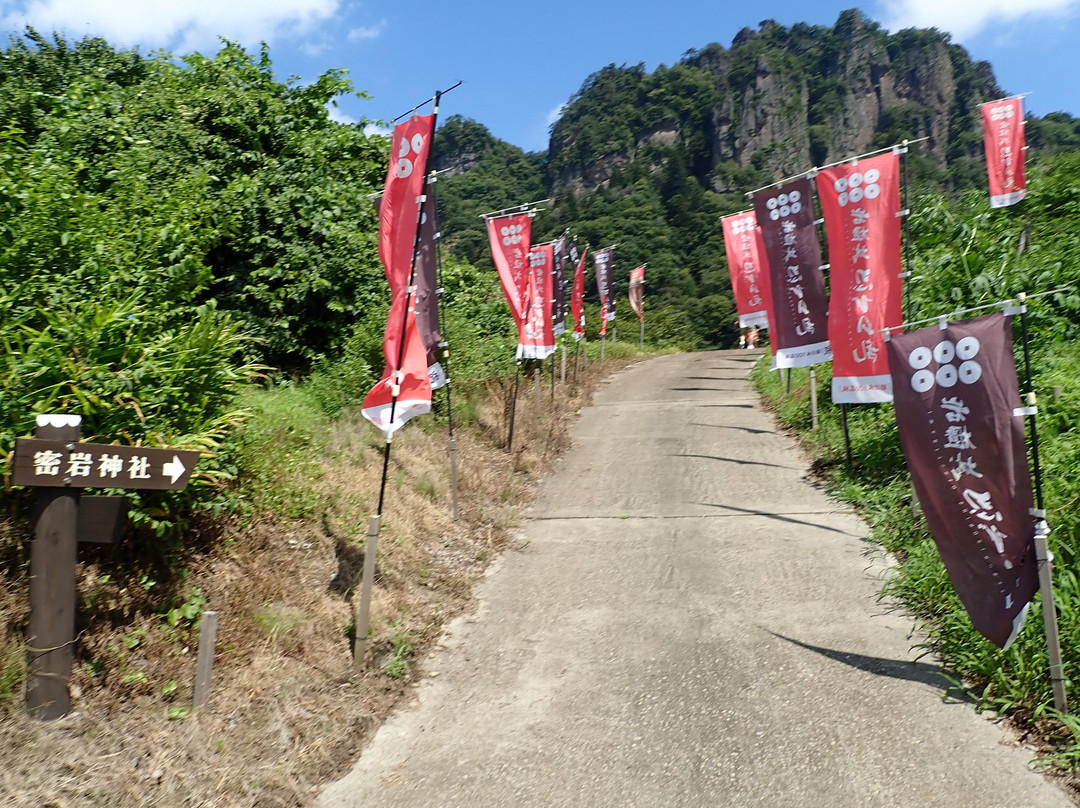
[
  {"x": 337, "y": 115},
  {"x": 376, "y": 129},
  {"x": 966, "y": 18},
  {"x": 367, "y": 31},
  {"x": 555, "y": 114},
  {"x": 180, "y": 26}
]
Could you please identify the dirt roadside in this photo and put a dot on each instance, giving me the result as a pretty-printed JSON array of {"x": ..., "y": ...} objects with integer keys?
[{"x": 289, "y": 710}]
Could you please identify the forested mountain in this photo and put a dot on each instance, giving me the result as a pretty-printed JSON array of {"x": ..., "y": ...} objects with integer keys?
[{"x": 650, "y": 161}]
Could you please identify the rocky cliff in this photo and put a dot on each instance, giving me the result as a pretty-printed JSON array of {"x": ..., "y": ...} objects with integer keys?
[{"x": 777, "y": 102}]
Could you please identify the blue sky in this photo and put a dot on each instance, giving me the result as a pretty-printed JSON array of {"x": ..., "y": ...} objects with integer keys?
[{"x": 520, "y": 62}]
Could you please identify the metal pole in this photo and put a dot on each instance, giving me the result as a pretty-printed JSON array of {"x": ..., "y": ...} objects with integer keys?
[
  {"x": 444, "y": 344},
  {"x": 603, "y": 342},
  {"x": 813, "y": 400},
  {"x": 1042, "y": 531},
  {"x": 553, "y": 377},
  {"x": 562, "y": 373},
  {"x": 641, "y": 339},
  {"x": 906, "y": 273},
  {"x": 789, "y": 381},
  {"x": 51, "y": 630}
]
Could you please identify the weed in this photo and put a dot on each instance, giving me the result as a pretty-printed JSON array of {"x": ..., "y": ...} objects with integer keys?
[
  {"x": 401, "y": 641},
  {"x": 279, "y": 620}
]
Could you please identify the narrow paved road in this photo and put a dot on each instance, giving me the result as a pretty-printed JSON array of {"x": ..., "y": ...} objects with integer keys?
[{"x": 691, "y": 622}]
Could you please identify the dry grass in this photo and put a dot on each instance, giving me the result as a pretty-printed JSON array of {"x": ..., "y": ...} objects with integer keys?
[{"x": 289, "y": 711}]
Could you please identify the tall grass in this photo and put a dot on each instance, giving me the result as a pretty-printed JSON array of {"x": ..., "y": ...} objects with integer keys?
[{"x": 1013, "y": 682}]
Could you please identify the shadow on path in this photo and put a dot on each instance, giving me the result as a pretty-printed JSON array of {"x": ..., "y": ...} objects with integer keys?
[
  {"x": 780, "y": 518},
  {"x": 932, "y": 675},
  {"x": 707, "y": 389},
  {"x": 739, "y": 462},
  {"x": 737, "y": 428}
]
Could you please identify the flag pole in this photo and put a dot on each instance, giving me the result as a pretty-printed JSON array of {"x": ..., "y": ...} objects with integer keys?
[
  {"x": 371, "y": 545},
  {"x": 1042, "y": 531},
  {"x": 444, "y": 344},
  {"x": 905, "y": 273}
]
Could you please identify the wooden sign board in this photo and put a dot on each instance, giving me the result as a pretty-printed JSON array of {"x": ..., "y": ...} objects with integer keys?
[{"x": 56, "y": 464}]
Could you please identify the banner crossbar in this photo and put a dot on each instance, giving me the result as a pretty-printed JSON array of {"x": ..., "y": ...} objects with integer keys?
[
  {"x": 813, "y": 171},
  {"x": 1005, "y": 98},
  {"x": 427, "y": 101},
  {"x": 433, "y": 176},
  {"x": 1001, "y": 304},
  {"x": 515, "y": 209}
]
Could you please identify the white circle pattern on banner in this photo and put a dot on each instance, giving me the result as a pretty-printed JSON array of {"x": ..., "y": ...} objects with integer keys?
[
  {"x": 948, "y": 374},
  {"x": 408, "y": 150},
  {"x": 744, "y": 225},
  {"x": 944, "y": 352},
  {"x": 920, "y": 357},
  {"x": 856, "y": 186},
  {"x": 511, "y": 234},
  {"x": 784, "y": 205},
  {"x": 922, "y": 381}
]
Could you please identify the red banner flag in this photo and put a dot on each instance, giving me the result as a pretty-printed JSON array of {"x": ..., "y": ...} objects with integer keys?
[
  {"x": 861, "y": 204},
  {"x": 1003, "y": 137},
  {"x": 602, "y": 263},
  {"x": 748, "y": 268},
  {"x": 404, "y": 390},
  {"x": 427, "y": 301},
  {"x": 577, "y": 296},
  {"x": 509, "y": 237},
  {"x": 637, "y": 292},
  {"x": 798, "y": 320},
  {"x": 538, "y": 341},
  {"x": 957, "y": 409}
]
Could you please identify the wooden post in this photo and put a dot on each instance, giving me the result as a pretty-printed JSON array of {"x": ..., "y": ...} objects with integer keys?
[
  {"x": 204, "y": 665},
  {"x": 51, "y": 634}
]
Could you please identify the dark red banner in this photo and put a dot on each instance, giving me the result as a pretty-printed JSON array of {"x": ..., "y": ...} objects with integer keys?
[
  {"x": 404, "y": 390},
  {"x": 1003, "y": 137},
  {"x": 748, "y": 268},
  {"x": 957, "y": 399},
  {"x": 509, "y": 237},
  {"x": 577, "y": 295},
  {"x": 861, "y": 205},
  {"x": 603, "y": 264},
  {"x": 637, "y": 292},
  {"x": 538, "y": 341},
  {"x": 558, "y": 286},
  {"x": 798, "y": 325}
]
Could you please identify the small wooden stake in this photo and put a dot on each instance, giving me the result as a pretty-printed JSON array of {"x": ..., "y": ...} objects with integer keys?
[
  {"x": 204, "y": 665},
  {"x": 363, "y": 620}
]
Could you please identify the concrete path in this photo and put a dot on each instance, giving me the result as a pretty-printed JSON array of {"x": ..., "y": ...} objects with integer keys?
[{"x": 691, "y": 622}]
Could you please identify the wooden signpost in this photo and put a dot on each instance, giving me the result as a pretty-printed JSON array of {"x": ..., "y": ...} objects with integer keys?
[{"x": 57, "y": 465}]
